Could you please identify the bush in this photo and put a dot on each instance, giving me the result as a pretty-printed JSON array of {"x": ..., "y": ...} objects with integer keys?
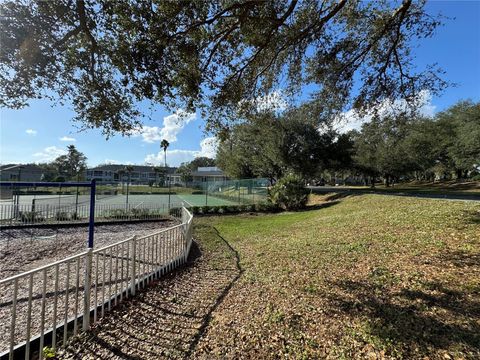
[
  {"x": 175, "y": 211},
  {"x": 61, "y": 216},
  {"x": 140, "y": 213},
  {"x": 289, "y": 193},
  {"x": 213, "y": 209},
  {"x": 117, "y": 214},
  {"x": 195, "y": 210},
  {"x": 30, "y": 217},
  {"x": 198, "y": 192}
]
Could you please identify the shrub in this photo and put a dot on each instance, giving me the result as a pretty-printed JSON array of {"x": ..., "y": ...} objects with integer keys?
[
  {"x": 117, "y": 214},
  {"x": 223, "y": 209},
  {"x": 233, "y": 209},
  {"x": 213, "y": 209},
  {"x": 198, "y": 192},
  {"x": 195, "y": 210},
  {"x": 140, "y": 213},
  {"x": 289, "y": 193},
  {"x": 266, "y": 207},
  {"x": 61, "y": 216},
  {"x": 175, "y": 211},
  {"x": 30, "y": 216}
]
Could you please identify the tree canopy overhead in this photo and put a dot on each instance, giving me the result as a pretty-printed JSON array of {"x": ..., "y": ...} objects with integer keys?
[{"x": 106, "y": 56}]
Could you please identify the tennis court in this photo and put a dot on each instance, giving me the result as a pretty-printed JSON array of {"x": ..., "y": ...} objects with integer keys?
[
  {"x": 133, "y": 200},
  {"x": 35, "y": 208}
]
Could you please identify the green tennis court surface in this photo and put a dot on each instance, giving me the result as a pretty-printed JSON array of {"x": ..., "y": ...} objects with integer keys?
[{"x": 133, "y": 200}]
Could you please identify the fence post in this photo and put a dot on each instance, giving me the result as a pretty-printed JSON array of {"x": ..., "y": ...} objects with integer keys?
[
  {"x": 91, "y": 220},
  {"x": 134, "y": 259},
  {"x": 88, "y": 285},
  {"x": 206, "y": 190}
]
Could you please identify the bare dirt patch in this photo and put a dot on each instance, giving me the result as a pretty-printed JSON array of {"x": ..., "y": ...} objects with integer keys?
[{"x": 168, "y": 318}]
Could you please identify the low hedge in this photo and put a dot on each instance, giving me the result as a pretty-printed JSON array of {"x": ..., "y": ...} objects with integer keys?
[
  {"x": 233, "y": 209},
  {"x": 151, "y": 193},
  {"x": 30, "y": 216},
  {"x": 140, "y": 214}
]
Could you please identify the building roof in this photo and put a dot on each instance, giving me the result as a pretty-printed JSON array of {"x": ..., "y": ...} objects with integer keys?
[
  {"x": 208, "y": 173},
  {"x": 136, "y": 168},
  {"x": 22, "y": 167}
]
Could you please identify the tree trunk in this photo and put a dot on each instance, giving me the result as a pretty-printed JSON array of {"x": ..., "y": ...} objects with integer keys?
[
  {"x": 459, "y": 174},
  {"x": 373, "y": 182},
  {"x": 387, "y": 180}
]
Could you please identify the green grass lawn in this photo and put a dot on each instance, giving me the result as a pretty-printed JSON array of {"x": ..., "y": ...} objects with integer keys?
[
  {"x": 363, "y": 276},
  {"x": 470, "y": 188}
]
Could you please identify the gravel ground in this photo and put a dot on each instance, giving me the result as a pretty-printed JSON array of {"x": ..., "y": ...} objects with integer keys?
[
  {"x": 25, "y": 249},
  {"x": 168, "y": 319}
]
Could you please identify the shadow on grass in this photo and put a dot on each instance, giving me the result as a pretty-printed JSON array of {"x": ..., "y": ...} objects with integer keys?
[
  {"x": 472, "y": 216},
  {"x": 412, "y": 320},
  {"x": 320, "y": 206},
  {"x": 330, "y": 200},
  {"x": 167, "y": 319},
  {"x": 460, "y": 259}
]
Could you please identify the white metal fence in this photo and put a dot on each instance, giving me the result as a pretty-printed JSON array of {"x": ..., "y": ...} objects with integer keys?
[{"x": 44, "y": 306}]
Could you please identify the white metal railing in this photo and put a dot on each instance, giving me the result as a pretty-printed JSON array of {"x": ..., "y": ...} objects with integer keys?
[{"x": 43, "y": 306}]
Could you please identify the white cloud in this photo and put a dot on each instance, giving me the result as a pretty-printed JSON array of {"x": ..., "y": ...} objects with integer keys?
[
  {"x": 111, "y": 162},
  {"x": 31, "y": 132},
  {"x": 275, "y": 101},
  {"x": 172, "y": 125},
  {"x": 50, "y": 153},
  {"x": 208, "y": 148},
  {"x": 67, "y": 139},
  {"x": 352, "y": 120}
]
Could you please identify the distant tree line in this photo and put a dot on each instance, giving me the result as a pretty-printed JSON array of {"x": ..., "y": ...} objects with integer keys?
[
  {"x": 187, "y": 168},
  {"x": 68, "y": 167},
  {"x": 391, "y": 148}
]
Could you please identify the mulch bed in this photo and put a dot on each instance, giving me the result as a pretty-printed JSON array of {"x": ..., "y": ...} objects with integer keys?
[{"x": 25, "y": 249}]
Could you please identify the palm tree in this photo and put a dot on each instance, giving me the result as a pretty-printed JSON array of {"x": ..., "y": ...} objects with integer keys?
[{"x": 164, "y": 145}]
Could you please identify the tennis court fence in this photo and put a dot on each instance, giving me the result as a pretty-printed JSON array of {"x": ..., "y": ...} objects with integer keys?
[{"x": 26, "y": 214}]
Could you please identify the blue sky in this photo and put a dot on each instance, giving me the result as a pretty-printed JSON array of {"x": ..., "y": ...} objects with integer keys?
[{"x": 41, "y": 132}]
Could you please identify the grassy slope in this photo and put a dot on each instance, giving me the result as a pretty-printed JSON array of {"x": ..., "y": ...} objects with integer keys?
[
  {"x": 446, "y": 187},
  {"x": 365, "y": 276}
]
